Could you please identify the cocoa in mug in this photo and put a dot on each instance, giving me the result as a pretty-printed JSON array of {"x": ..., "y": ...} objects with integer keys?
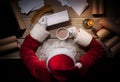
[{"x": 62, "y": 33}]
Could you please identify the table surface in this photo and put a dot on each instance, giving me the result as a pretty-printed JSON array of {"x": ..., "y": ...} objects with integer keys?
[{"x": 75, "y": 20}]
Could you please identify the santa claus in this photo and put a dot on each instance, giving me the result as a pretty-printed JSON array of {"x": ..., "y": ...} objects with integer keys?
[{"x": 61, "y": 63}]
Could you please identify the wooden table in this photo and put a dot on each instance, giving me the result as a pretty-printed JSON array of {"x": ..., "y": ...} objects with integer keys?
[{"x": 24, "y": 21}]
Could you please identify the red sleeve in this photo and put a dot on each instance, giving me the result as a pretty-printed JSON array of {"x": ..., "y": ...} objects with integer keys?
[
  {"x": 27, "y": 53},
  {"x": 94, "y": 53}
]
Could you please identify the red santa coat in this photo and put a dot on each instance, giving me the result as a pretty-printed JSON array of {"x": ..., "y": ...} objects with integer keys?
[{"x": 38, "y": 68}]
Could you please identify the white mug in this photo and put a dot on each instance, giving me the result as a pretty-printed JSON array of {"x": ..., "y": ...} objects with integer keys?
[{"x": 62, "y": 33}]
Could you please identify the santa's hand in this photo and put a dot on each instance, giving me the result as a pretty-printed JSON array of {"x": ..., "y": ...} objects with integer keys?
[
  {"x": 43, "y": 21},
  {"x": 80, "y": 36},
  {"x": 39, "y": 31},
  {"x": 73, "y": 31}
]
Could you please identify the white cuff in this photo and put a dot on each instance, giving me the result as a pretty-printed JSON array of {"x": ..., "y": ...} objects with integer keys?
[
  {"x": 83, "y": 38},
  {"x": 39, "y": 33}
]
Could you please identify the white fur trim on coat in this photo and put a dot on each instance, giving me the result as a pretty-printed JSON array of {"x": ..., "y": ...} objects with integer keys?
[
  {"x": 39, "y": 33},
  {"x": 83, "y": 38}
]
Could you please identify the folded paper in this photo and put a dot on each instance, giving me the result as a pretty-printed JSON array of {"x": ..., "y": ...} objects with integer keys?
[
  {"x": 77, "y": 5},
  {"x": 30, "y": 5},
  {"x": 56, "y": 18}
]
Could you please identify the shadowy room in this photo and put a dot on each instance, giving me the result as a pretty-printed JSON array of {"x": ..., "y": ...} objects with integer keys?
[{"x": 13, "y": 69}]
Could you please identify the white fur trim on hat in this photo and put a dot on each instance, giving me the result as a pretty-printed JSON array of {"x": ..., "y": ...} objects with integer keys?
[
  {"x": 39, "y": 33},
  {"x": 79, "y": 65},
  {"x": 83, "y": 38}
]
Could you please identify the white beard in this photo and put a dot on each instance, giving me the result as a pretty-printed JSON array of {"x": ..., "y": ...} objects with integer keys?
[{"x": 47, "y": 49}]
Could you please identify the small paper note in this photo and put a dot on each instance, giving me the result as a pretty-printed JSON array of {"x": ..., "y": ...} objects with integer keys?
[{"x": 30, "y": 5}]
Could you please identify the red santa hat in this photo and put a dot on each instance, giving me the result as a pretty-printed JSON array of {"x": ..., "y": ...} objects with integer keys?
[{"x": 63, "y": 66}]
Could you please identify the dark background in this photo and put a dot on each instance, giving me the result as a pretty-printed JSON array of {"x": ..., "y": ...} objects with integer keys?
[
  {"x": 108, "y": 69},
  {"x": 8, "y": 23}
]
